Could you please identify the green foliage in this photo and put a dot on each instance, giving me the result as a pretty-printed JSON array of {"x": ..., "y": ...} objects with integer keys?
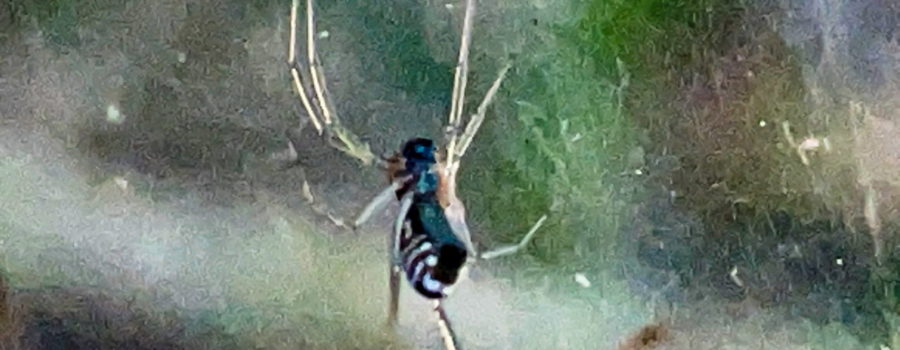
[
  {"x": 705, "y": 76},
  {"x": 650, "y": 35},
  {"x": 713, "y": 86},
  {"x": 561, "y": 155}
]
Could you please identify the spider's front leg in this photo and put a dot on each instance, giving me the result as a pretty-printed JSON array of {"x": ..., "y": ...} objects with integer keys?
[
  {"x": 458, "y": 141},
  {"x": 378, "y": 203},
  {"x": 310, "y": 85}
]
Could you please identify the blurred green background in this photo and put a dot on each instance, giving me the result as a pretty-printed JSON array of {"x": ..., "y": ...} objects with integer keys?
[{"x": 725, "y": 167}]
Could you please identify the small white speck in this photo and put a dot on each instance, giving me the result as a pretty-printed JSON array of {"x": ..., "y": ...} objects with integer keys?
[
  {"x": 734, "y": 277},
  {"x": 431, "y": 260},
  {"x": 885, "y": 347},
  {"x": 182, "y": 57},
  {"x": 582, "y": 280},
  {"x": 638, "y": 172},
  {"x": 839, "y": 262},
  {"x": 307, "y": 192},
  {"x": 121, "y": 182},
  {"x": 810, "y": 144},
  {"x": 324, "y": 34},
  {"x": 449, "y": 6},
  {"x": 113, "y": 115},
  {"x": 762, "y": 123}
]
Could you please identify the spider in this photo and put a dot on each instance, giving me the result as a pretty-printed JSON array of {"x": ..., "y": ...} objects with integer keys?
[{"x": 430, "y": 241}]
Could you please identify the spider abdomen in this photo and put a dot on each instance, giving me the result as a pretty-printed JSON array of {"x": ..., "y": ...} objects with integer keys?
[{"x": 431, "y": 254}]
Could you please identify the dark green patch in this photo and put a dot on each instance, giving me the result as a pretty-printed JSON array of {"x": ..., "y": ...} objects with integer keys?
[
  {"x": 58, "y": 18},
  {"x": 393, "y": 36},
  {"x": 706, "y": 75},
  {"x": 555, "y": 144}
]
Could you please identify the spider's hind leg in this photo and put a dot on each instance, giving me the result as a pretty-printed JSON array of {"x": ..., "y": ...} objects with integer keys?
[
  {"x": 394, "y": 284},
  {"x": 394, "y": 262},
  {"x": 447, "y": 333}
]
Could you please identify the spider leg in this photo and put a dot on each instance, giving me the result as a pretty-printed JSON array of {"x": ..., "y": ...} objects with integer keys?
[
  {"x": 296, "y": 68},
  {"x": 446, "y": 328},
  {"x": 394, "y": 258},
  {"x": 512, "y": 249},
  {"x": 456, "y": 216},
  {"x": 309, "y": 83},
  {"x": 457, "y": 142},
  {"x": 383, "y": 198},
  {"x": 460, "y": 79},
  {"x": 475, "y": 124},
  {"x": 405, "y": 204},
  {"x": 394, "y": 283}
]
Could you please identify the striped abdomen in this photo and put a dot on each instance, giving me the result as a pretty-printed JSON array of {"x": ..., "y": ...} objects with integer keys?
[{"x": 431, "y": 254}]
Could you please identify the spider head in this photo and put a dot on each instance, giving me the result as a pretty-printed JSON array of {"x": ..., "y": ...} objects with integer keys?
[{"x": 419, "y": 150}]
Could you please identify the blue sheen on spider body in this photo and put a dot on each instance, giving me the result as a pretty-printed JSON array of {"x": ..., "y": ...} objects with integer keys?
[{"x": 431, "y": 254}]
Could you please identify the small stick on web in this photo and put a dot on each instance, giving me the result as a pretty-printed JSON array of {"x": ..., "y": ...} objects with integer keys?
[
  {"x": 512, "y": 249},
  {"x": 314, "y": 96}
]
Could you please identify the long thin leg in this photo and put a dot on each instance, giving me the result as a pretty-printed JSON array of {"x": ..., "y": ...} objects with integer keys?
[
  {"x": 314, "y": 67},
  {"x": 460, "y": 78},
  {"x": 512, "y": 249},
  {"x": 455, "y": 151},
  {"x": 456, "y": 216},
  {"x": 383, "y": 198},
  {"x": 458, "y": 144},
  {"x": 446, "y": 328},
  {"x": 314, "y": 93},
  {"x": 394, "y": 258},
  {"x": 472, "y": 128},
  {"x": 296, "y": 68},
  {"x": 405, "y": 204},
  {"x": 394, "y": 283}
]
